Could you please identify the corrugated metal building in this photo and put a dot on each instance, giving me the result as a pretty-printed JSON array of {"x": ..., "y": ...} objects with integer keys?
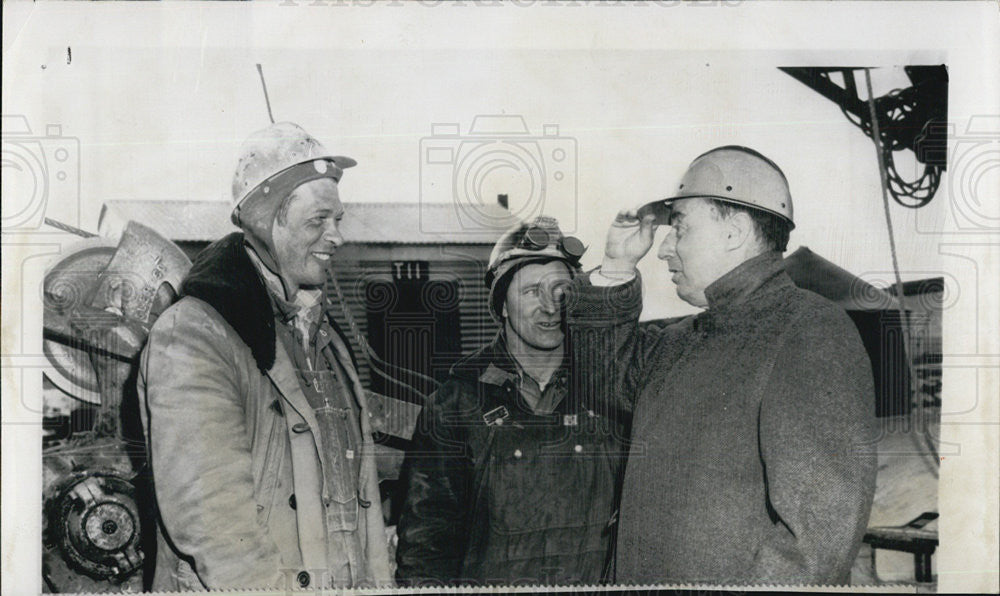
[{"x": 410, "y": 277}]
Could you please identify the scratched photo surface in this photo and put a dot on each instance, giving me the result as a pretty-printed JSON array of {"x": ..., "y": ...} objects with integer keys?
[{"x": 510, "y": 408}]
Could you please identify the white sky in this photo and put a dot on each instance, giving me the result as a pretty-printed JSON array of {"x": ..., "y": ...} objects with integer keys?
[
  {"x": 160, "y": 95},
  {"x": 160, "y": 99}
]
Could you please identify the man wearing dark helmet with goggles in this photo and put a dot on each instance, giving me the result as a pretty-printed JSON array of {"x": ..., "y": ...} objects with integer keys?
[
  {"x": 534, "y": 328},
  {"x": 513, "y": 478}
]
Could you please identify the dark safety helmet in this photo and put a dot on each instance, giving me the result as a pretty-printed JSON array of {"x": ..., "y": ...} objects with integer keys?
[{"x": 537, "y": 241}]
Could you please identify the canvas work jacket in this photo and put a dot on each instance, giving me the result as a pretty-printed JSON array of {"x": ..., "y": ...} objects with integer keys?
[
  {"x": 248, "y": 491},
  {"x": 500, "y": 495},
  {"x": 752, "y": 449}
]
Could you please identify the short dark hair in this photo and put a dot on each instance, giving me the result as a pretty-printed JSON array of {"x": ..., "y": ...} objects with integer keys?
[{"x": 771, "y": 229}]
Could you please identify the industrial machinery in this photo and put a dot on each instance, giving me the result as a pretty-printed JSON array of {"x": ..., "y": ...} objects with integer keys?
[
  {"x": 914, "y": 119},
  {"x": 100, "y": 299}
]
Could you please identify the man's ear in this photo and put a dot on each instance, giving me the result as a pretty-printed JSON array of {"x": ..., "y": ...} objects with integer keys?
[
  {"x": 503, "y": 310},
  {"x": 739, "y": 230}
]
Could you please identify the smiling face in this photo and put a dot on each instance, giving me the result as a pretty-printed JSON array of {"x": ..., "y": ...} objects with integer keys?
[
  {"x": 531, "y": 311},
  {"x": 695, "y": 248},
  {"x": 307, "y": 233}
]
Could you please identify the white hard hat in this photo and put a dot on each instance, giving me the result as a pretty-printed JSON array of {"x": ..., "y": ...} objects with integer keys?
[
  {"x": 733, "y": 174},
  {"x": 278, "y": 149}
]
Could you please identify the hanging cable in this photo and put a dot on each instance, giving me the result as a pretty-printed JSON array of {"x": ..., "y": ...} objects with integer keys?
[
  {"x": 375, "y": 363},
  {"x": 904, "y": 321},
  {"x": 897, "y": 107}
]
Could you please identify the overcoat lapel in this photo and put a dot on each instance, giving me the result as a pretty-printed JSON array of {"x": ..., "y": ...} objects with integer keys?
[{"x": 305, "y": 452}]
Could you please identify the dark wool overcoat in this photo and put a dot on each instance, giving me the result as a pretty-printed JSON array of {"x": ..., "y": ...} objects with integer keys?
[{"x": 753, "y": 430}]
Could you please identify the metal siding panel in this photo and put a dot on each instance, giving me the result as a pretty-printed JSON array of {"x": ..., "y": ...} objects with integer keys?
[
  {"x": 349, "y": 276},
  {"x": 477, "y": 326}
]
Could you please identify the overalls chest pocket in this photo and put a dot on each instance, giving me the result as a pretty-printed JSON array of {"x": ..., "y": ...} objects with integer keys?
[
  {"x": 546, "y": 478},
  {"x": 341, "y": 466}
]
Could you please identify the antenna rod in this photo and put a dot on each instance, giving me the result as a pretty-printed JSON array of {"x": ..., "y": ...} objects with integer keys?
[
  {"x": 68, "y": 228},
  {"x": 266, "y": 98}
]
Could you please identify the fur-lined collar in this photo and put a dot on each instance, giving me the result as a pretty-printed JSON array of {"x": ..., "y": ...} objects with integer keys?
[{"x": 223, "y": 276}]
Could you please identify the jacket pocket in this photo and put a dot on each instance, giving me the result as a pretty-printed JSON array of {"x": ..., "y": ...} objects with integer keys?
[
  {"x": 270, "y": 470},
  {"x": 342, "y": 515}
]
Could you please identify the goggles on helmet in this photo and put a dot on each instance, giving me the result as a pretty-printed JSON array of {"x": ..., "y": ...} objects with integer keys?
[
  {"x": 538, "y": 238},
  {"x": 535, "y": 242}
]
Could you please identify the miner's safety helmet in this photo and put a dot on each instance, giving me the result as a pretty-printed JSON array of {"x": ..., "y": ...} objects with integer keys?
[
  {"x": 276, "y": 159},
  {"x": 733, "y": 174},
  {"x": 537, "y": 241}
]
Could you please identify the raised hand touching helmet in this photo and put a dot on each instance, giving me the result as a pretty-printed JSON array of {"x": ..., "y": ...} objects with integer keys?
[{"x": 749, "y": 414}]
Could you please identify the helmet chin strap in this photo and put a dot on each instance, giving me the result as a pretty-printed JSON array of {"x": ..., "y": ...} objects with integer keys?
[{"x": 262, "y": 253}]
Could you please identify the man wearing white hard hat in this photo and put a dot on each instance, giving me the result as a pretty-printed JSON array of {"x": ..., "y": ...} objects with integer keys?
[
  {"x": 753, "y": 420},
  {"x": 257, "y": 425}
]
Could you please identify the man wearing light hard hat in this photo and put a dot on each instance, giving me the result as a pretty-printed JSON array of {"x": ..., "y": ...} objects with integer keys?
[
  {"x": 257, "y": 425},
  {"x": 513, "y": 476},
  {"x": 753, "y": 416}
]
